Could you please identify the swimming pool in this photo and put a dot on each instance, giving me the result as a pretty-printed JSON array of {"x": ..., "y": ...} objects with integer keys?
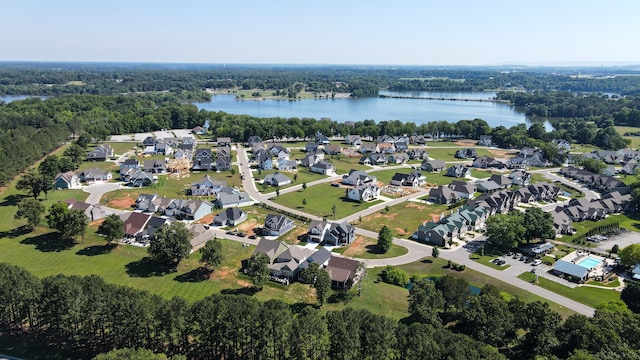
[{"x": 589, "y": 262}]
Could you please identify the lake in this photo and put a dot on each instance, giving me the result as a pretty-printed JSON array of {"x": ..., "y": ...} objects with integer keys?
[
  {"x": 378, "y": 109},
  {"x": 10, "y": 98}
]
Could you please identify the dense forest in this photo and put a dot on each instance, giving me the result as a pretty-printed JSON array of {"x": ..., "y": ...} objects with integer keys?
[
  {"x": 52, "y": 79},
  {"x": 80, "y": 317}
]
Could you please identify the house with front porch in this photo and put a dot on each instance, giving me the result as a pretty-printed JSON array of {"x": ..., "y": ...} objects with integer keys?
[
  {"x": 333, "y": 234},
  {"x": 363, "y": 193},
  {"x": 277, "y": 225},
  {"x": 67, "y": 180}
]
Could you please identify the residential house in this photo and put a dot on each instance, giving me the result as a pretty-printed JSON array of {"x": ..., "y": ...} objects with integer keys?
[
  {"x": 194, "y": 209},
  {"x": 203, "y": 160},
  {"x": 265, "y": 160},
  {"x": 332, "y": 149},
  {"x": 95, "y": 175},
  {"x": 442, "y": 195},
  {"x": 354, "y": 140},
  {"x": 154, "y": 166},
  {"x": 207, "y": 186},
  {"x": 561, "y": 144},
  {"x": 129, "y": 164},
  {"x": 357, "y": 178},
  {"x": 100, "y": 153},
  {"x": 487, "y": 162},
  {"x": 311, "y": 147},
  {"x": 458, "y": 171},
  {"x": 254, "y": 140},
  {"x": 311, "y": 159},
  {"x": 321, "y": 139},
  {"x": 279, "y": 151},
  {"x": 67, "y": 180},
  {"x": 343, "y": 272},
  {"x": 149, "y": 230},
  {"x": 417, "y": 140},
  {"x": 363, "y": 193},
  {"x": 199, "y": 130},
  {"x": 385, "y": 148},
  {"x": 230, "y": 216},
  {"x": 607, "y": 156},
  {"x": 630, "y": 168},
  {"x": 135, "y": 223},
  {"x": 476, "y": 216},
  {"x": 320, "y": 257},
  {"x": 463, "y": 190},
  {"x": 223, "y": 163},
  {"x": 374, "y": 159},
  {"x": 333, "y": 234},
  {"x": 137, "y": 177},
  {"x": 145, "y": 202},
  {"x": 401, "y": 146},
  {"x": 433, "y": 165},
  {"x": 485, "y": 140},
  {"x": 414, "y": 178},
  {"x": 520, "y": 178},
  {"x": 444, "y": 232},
  {"x": 418, "y": 154},
  {"x": 231, "y": 197},
  {"x": 323, "y": 167},
  {"x": 367, "y": 148},
  {"x": 270, "y": 248},
  {"x": 277, "y": 179},
  {"x": 468, "y": 153},
  {"x": 183, "y": 154},
  {"x": 162, "y": 148},
  {"x": 516, "y": 163},
  {"x": 287, "y": 263},
  {"x": 287, "y": 165},
  {"x": 277, "y": 225},
  {"x": 488, "y": 186},
  {"x": 223, "y": 141},
  {"x": 92, "y": 211},
  {"x": 502, "y": 180},
  {"x": 398, "y": 158}
]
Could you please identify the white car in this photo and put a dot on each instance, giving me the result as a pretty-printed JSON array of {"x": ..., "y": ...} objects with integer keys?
[{"x": 536, "y": 262}]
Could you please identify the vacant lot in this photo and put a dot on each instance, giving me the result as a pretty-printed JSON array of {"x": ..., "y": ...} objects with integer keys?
[
  {"x": 366, "y": 248},
  {"x": 320, "y": 200},
  {"x": 448, "y": 154},
  {"x": 404, "y": 216}
]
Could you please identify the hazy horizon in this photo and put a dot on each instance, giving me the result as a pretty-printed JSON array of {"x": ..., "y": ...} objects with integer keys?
[{"x": 374, "y": 32}]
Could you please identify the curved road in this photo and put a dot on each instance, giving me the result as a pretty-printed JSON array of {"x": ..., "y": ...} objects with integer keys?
[{"x": 416, "y": 251}]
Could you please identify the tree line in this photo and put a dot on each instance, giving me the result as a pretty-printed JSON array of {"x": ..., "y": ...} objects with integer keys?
[{"x": 80, "y": 317}]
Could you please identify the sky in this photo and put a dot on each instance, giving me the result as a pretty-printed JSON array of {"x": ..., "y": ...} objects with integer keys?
[{"x": 391, "y": 32}]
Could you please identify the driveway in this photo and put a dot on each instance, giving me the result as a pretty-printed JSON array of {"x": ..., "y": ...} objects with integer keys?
[{"x": 97, "y": 190}]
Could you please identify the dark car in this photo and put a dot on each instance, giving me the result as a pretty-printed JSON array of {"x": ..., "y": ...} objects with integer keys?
[
  {"x": 252, "y": 237},
  {"x": 241, "y": 234}
]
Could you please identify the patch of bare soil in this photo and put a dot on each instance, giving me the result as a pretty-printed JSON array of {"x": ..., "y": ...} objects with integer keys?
[
  {"x": 124, "y": 203},
  {"x": 500, "y": 153},
  {"x": 401, "y": 231},
  {"x": 248, "y": 226},
  {"x": 206, "y": 220},
  {"x": 243, "y": 283},
  {"x": 356, "y": 247},
  {"x": 414, "y": 205},
  {"x": 466, "y": 142},
  {"x": 435, "y": 217},
  {"x": 223, "y": 273}
]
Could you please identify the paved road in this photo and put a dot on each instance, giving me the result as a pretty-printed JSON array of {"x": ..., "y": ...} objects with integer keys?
[{"x": 97, "y": 190}]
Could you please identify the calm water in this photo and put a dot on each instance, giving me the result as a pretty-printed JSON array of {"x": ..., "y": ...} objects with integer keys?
[
  {"x": 10, "y": 98},
  {"x": 379, "y": 109}
]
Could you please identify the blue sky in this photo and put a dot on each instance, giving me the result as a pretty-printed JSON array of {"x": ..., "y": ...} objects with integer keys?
[{"x": 446, "y": 32}]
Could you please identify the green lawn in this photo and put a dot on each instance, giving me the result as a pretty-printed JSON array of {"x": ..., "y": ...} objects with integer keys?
[
  {"x": 629, "y": 222},
  {"x": 320, "y": 200},
  {"x": 635, "y": 140},
  {"x": 611, "y": 284},
  {"x": 589, "y": 296},
  {"x": 344, "y": 164},
  {"x": 448, "y": 154},
  {"x": 121, "y": 147},
  {"x": 407, "y": 215},
  {"x": 488, "y": 253},
  {"x": 366, "y": 248},
  {"x": 439, "y": 178}
]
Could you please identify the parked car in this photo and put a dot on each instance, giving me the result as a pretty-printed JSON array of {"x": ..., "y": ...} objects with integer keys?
[
  {"x": 517, "y": 256},
  {"x": 536, "y": 262},
  {"x": 241, "y": 234},
  {"x": 252, "y": 237}
]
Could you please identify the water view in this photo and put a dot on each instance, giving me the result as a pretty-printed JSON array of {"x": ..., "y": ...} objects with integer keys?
[{"x": 379, "y": 109}]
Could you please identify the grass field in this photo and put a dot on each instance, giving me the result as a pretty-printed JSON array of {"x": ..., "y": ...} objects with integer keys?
[
  {"x": 635, "y": 140},
  {"x": 366, "y": 248},
  {"x": 407, "y": 215},
  {"x": 121, "y": 147},
  {"x": 583, "y": 294},
  {"x": 345, "y": 163},
  {"x": 448, "y": 154},
  {"x": 485, "y": 256},
  {"x": 625, "y": 221},
  {"x": 320, "y": 200}
]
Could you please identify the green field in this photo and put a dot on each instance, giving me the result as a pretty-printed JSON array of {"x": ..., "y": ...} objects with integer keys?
[
  {"x": 625, "y": 221},
  {"x": 407, "y": 215},
  {"x": 344, "y": 164},
  {"x": 484, "y": 257},
  {"x": 366, "y": 248},
  {"x": 583, "y": 294},
  {"x": 635, "y": 140},
  {"x": 448, "y": 154},
  {"x": 121, "y": 147},
  {"x": 320, "y": 200}
]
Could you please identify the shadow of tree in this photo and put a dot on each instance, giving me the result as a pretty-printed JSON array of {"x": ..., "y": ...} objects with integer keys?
[
  {"x": 249, "y": 291},
  {"x": 299, "y": 306},
  {"x": 13, "y": 233},
  {"x": 426, "y": 261},
  {"x": 374, "y": 249},
  {"x": 146, "y": 267},
  {"x": 340, "y": 297},
  {"x": 13, "y": 199},
  {"x": 195, "y": 275},
  {"x": 97, "y": 249},
  {"x": 49, "y": 242}
]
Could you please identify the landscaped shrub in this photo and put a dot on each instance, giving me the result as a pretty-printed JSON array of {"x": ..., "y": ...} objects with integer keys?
[{"x": 395, "y": 276}]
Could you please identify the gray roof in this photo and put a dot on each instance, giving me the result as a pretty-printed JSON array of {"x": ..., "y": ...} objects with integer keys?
[
  {"x": 231, "y": 213},
  {"x": 570, "y": 269}
]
